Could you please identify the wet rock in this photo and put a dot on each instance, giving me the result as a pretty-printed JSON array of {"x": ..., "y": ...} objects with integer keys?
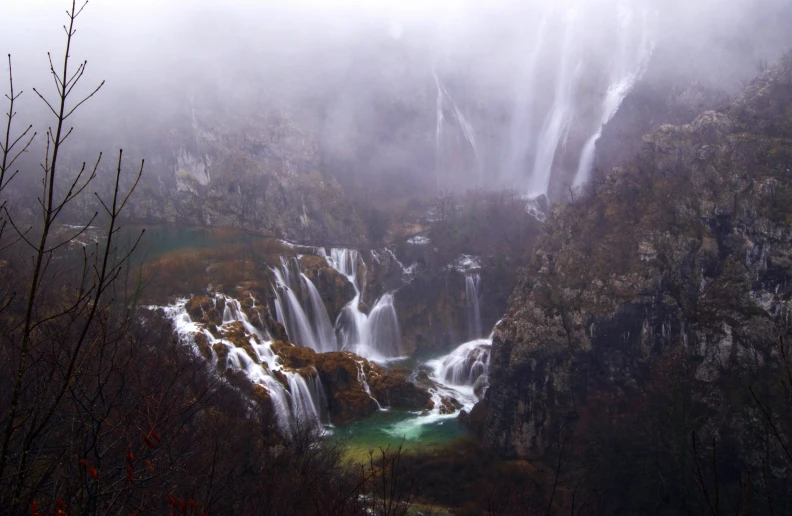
[
  {"x": 394, "y": 389},
  {"x": 681, "y": 257},
  {"x": 202, "y": 343},
  {"x": 339, "y": 373},
  {"x": 197, "y": 307}
]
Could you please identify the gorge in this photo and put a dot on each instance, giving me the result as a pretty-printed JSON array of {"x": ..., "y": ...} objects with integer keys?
[{"x": 503, "y": 258}]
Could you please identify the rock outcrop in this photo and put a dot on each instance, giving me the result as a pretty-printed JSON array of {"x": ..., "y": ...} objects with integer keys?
[
  {"x": 253, "y": 167},
  {"x": 354, "y": 387},
  {"x": 683, "y": 257}
]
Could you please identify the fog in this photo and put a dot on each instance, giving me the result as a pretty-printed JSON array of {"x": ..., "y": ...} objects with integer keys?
[{"x": 447, "y": 94}]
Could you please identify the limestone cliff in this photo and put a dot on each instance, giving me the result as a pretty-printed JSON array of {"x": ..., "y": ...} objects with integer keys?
[
  {"x": 256, "y": 167},
  {"x": 684, "y": 253}
]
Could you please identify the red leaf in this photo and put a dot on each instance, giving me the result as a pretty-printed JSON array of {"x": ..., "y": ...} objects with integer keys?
[
  {"x": 150, "y": 465},
  {"x": 148, "y": 443},
  {"x": 94, "y": 473},
  {"x": 172, "y": 501},
  {"x": 156, "y": 436}
]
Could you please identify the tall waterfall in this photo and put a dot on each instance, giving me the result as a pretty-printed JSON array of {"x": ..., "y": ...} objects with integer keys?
[
  {"x": 446, "y": 103},
  {"x": 522, "y": 125},
  {"x": 473, "y": 302},
  {"x": 558, "y": 119},
  {"x": 630, "y": 64},
  {"x": 375, "y": 336},
  {"x": 299, "y": 403},
  {"x": 573, "y": 64}
]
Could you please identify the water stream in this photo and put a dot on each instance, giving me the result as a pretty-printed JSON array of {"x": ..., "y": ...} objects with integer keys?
[{"x": 456, "y": 380}]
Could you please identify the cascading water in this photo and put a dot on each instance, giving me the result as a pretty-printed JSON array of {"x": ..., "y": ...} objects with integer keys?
[
  {"x": 446, "y": 102},
  {"x": 383, "y": 326},
  {"x": 557, "y": 122},
  {"x": 296, "y": 405},
  {"x": 323, "y": 329},
  {"x": 542, "y": 134},
  {"x": 473, "y": 301},
  {"x": 307, "y": 323},
  {"x": 466, "y": 365},
  {"x": 626, "y": 71},
  {"x": 521, "y": 130},
  {"x": 375, "y": 336}
]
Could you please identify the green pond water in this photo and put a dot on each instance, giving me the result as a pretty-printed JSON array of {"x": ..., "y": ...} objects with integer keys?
[
  {"x": 420, "y": 433},
  {"x": 160, "y": 240}
]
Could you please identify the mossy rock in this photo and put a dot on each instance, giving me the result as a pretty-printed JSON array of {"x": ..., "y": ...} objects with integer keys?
[
  {"x": 197, "y": 307},
  {"x": 221, "y": 351},
  {"x": 213, "y": 317},
  {"x": 294, "y": 357},
  {"x": 394, "y": 389},
  {"x": 236, "y": 334},
  {"x": 202, "y": 343},
  {"x": 312, "y": 263}
]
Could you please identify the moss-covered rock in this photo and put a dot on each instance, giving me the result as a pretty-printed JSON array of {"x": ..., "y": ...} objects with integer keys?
[
  {"x": 393, "y": 388},
  {"x": 197, "y": 307},
  {"x": 683, "y": 253}
]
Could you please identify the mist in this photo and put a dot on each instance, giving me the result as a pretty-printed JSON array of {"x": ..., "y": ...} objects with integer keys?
[{"x": 405, "y": 95}]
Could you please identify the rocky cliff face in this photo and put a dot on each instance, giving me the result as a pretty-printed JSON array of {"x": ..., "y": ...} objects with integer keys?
[
  {"x": 683, "y": 254},
  {"x": 255, "y": 167}
]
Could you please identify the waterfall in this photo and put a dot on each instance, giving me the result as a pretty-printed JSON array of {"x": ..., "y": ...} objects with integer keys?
[
  {"x": 521, "y": 130},
  {"x": 383, "y": 326},
  {"x": 466, "y": 365},
  {"x": 375, "y": 336},
  {"x": 305, "y": 409},
  {"x": 575, "y": 63},
  {"x": 473, "y": 302},
  {"x": 299, "y": 403},
  {"x": 361, "y": 376},
  {"x": 557, "y": 121},
  {"x": 306, "y": 321},
  {"x": 626, "y": 71},
  {"x": 444, "y": 100},
  {"x": 463, "y": 374},
  {"x": 323, "y": 329}
]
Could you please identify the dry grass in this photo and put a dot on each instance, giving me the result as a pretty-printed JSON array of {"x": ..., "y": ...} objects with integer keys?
[{"x": 224, "y": 267}]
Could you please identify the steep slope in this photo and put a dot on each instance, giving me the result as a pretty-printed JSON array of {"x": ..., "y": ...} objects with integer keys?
[
  {"x": 252, "y": 167},
  {"x": 678, "y": 261}
]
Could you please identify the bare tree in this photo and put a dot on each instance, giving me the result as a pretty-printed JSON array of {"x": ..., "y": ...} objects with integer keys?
[{"x": 54, "y": 333}]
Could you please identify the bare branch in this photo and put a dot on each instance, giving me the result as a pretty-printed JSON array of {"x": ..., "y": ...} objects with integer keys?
[
  {"x": 83, "y": 100},
  {"x": 46, "y": 102}
]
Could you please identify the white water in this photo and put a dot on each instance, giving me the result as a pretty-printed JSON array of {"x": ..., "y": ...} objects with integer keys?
[
  {"x": 466, "y": 365},
  {"x": 375, "y": 336},
  {"x": 473, "y": 302},
  {"x": 307, "y": 322},
  {"x": 557, "y": 122},
  {"x": 446, "y": 102},
  {"x": 323, "y": 329},
  {"x": 629, "y": 66},
  {"x": 576, "y": 62},
  {"x": 302, "y": 402},
  {"x": 521, "y": 137}
]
